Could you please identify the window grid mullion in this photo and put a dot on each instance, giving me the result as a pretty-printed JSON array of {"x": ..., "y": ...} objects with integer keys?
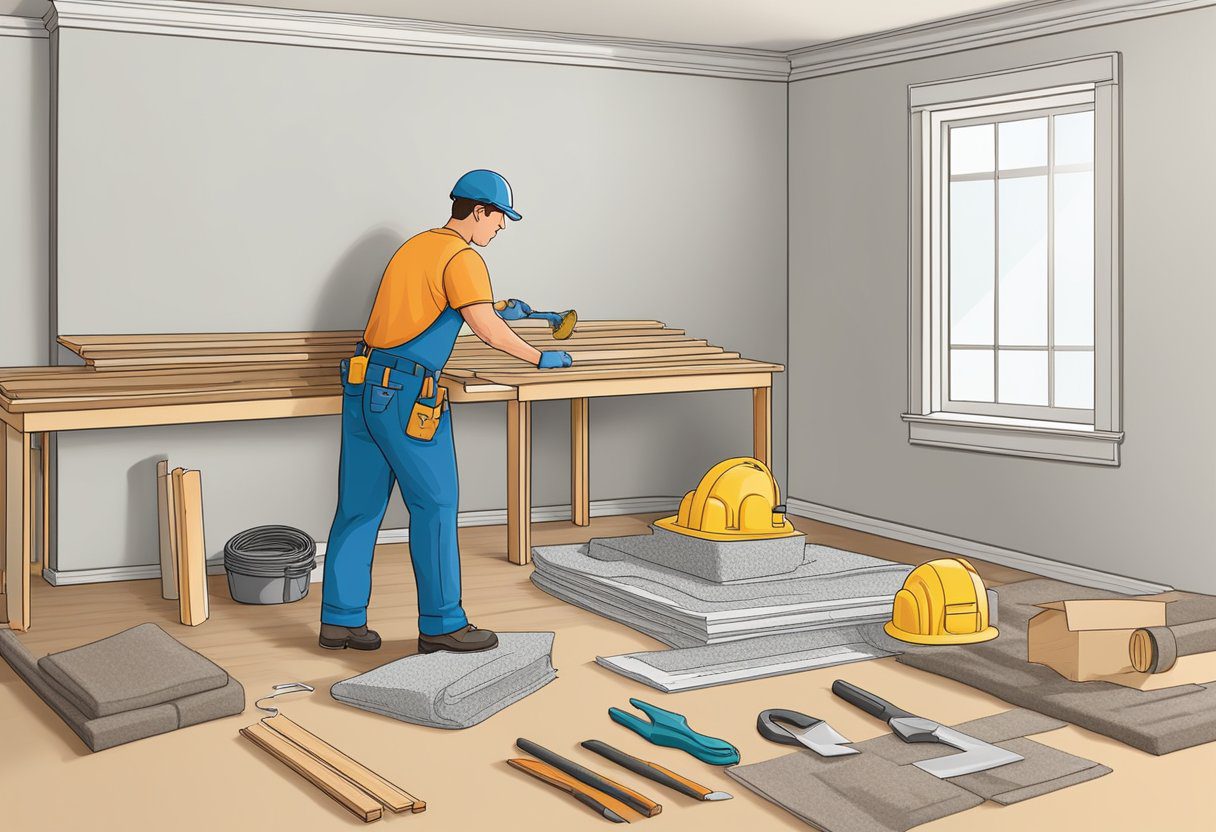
[
  {"x": 996, "y": 264},
  {"x": 1051, "y": 261}
]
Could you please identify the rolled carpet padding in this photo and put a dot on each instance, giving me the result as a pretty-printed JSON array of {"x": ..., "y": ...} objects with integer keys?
[
  {"x": 116, "y": 729},
  {"x": 454, "y": 690},
  {"x": 1155, "y": 721},
  {"x": 692, "y": 668},
  {"x": 136, "y": 668}
]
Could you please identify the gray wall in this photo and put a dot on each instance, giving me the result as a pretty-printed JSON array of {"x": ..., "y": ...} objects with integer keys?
[
  {"x": 24, "y": 155},
  {"x": 212, "y": 185},
  {"x": 1149, "y": 518}
]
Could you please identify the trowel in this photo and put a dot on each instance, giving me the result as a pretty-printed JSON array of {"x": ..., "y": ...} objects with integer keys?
[{"x": 977, "y": 755}]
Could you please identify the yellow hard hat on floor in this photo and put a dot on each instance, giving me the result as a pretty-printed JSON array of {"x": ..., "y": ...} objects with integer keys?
[
  {"x": 737, "y": 499},
  {"x": 942, "y": 602}
]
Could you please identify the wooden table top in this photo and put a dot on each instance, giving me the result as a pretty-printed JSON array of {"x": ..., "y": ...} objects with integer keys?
[{"x": 123, "y": 371}]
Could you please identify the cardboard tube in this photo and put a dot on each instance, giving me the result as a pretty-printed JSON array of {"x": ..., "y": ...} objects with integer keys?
[{"x": 1156, "y": 649}]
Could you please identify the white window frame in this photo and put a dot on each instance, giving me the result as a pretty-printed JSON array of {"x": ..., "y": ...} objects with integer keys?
[{"x": 1082, "y": 82}]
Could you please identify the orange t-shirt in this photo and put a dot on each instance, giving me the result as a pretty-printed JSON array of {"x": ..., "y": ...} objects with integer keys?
[{"x": 430, "y": 272}]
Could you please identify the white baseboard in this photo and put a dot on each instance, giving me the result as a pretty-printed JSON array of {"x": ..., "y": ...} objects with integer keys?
[
  {"x": 961, "y": 546},
  {"x": 489, "y": 517}
]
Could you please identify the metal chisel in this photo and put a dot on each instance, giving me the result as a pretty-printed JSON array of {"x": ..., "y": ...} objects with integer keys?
[
  {"x": 597, "y": 801},
  {"x": 655, "y": 772},
  {"x": 638, "y": 802}
]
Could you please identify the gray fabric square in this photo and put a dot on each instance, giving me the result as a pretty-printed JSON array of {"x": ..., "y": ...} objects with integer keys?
[
  {"x": 136, "y": 668},
  {"x": 108, "y": 731},
  {"x": 1158, "y": 721},
  {"x": 859, "y": 793},
  {"x": 454, "y": 690},
  {"x": 719, "y": 561}
]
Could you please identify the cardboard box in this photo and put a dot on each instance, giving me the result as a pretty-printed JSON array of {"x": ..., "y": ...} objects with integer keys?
[{"x": 1088, "y": 640}]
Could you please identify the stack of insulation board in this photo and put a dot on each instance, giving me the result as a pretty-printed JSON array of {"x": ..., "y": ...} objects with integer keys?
[{"x": 832, "y": 588}]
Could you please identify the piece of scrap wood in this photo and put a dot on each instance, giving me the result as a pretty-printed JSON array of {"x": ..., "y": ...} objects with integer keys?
[
  {"x": 357, "y": 801},
  {"x": 392, "y": 796}
]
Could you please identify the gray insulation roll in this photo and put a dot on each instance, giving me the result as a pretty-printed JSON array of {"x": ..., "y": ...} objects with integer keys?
[{"x": 1156, "y": 649}]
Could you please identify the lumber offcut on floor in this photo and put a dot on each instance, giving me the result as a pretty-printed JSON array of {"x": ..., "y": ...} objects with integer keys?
[{"x": 208, "y": 778}]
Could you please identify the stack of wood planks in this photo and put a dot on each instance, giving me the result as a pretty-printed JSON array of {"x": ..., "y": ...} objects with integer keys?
[{"x": 205, "y": 368}]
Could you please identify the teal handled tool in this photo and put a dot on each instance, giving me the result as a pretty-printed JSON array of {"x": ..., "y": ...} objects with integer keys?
[{"x": 670, "y": 729}]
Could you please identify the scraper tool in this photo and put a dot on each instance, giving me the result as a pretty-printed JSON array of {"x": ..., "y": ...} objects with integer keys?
[
  {"x": 796, "y": 728},
  {"x": 977, "y": 755}
]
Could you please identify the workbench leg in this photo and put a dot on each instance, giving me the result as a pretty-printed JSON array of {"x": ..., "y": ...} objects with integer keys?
[
  {"x": 519, "y": 482},
  {"x": 762, "y": 424},
  {"x": 18, "y": 511},
  {"x": 580, "y": 457},
  {"x": 44, "y": 467}
]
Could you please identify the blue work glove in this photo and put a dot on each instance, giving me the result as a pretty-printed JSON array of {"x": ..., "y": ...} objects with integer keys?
[
  {"x": 553, "y": 359},
  {"x": 513, "y": 309}
]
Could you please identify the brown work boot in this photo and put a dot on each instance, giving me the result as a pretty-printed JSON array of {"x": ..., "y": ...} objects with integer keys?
[
  {"x": 336, "y": 637},
  {"x": 468, "y": 639}
]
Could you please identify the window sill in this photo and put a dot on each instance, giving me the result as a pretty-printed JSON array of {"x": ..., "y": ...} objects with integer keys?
[{"x": 1015, "y": 437}]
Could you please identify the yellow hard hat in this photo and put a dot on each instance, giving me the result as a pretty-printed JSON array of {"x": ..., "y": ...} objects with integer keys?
[
  {"x": 942, "y": 602},
  {"x": 737, "y": 499}
]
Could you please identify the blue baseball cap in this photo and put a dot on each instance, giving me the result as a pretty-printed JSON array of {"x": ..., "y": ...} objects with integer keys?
[{"x": 487, "y": 187}]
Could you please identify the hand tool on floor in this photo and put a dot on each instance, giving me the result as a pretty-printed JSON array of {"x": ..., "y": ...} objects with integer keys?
[
  {"x": 593, "y": 799},
  {"x": 796, "y": 728},
  {"x": 671, "y": 729},
  {"x": 1156, "y": 649},
  {"x": 638, "y": 802},
  {"x": 655, "y": 772},
  {"x": 977, "y": 755}
]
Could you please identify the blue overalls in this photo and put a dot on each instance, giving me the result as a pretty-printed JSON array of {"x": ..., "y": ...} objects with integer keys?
[{"x": 376, "y": 452}]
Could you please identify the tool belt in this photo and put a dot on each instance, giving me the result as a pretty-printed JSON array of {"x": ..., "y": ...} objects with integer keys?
[{"x": 380, "y": 365}]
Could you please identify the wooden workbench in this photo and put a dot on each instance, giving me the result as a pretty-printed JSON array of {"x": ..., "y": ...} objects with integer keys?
[{"x": 142, "y": 380}]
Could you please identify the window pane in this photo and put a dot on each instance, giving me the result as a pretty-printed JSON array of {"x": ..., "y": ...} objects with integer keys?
[
  {"x": 1075, "y": 379},
  {"x": 971, "y": 262},
  {"x": 971, "y": 149},
  {"x": 1023, "y": 261},
  {"x": 1023, "y": 144},
  {"x": 1074, "y": 259},
  {"x": 1023, "y": 377},
  {"x": 1075, "y": 138},
  {"x": 971, "y": 375}
]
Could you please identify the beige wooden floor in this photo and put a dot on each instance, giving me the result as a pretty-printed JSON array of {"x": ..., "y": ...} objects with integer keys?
[{"x": 208, "y": 778}]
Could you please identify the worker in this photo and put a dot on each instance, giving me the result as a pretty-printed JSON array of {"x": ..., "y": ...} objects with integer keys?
[{"x": 396, "y": 426}]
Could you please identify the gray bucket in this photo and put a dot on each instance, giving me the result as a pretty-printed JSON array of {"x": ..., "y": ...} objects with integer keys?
[{"x": 269, "y": 565}]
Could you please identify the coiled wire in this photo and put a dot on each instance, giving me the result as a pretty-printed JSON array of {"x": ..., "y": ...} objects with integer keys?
[{"x": 271, "y": 552}]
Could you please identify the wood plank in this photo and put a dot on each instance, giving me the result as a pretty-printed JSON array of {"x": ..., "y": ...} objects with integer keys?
[
  {"x": 355, "y": 800},
  {"x": 641, "y": 386},
  {"x": 392, "y": 796},
  {"x": 17, "y": 498},
  {"x": 762, "y": 424},
  {"x": 576, "y": 374},
  {"x": 586, "y": 340},
  {"x": 591, "y": 344},
  {"x": 640, "y": 361},
  {"x": 73, "y": 341},
  {"x": 519, "y": 482},
  {"x": 192, "y": 599},
  {"x": 132, "y": 403},
  {"x": 580, "y": 457},
  {"x": 166, "y": 524},
  {"x": 179, "y": 414}
]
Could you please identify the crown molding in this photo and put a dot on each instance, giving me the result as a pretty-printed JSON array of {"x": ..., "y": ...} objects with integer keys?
[
  {"x": 12, "y": 26},
  {"x": 413, "y": 37},
  {"x": 955, "y": 34}
]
